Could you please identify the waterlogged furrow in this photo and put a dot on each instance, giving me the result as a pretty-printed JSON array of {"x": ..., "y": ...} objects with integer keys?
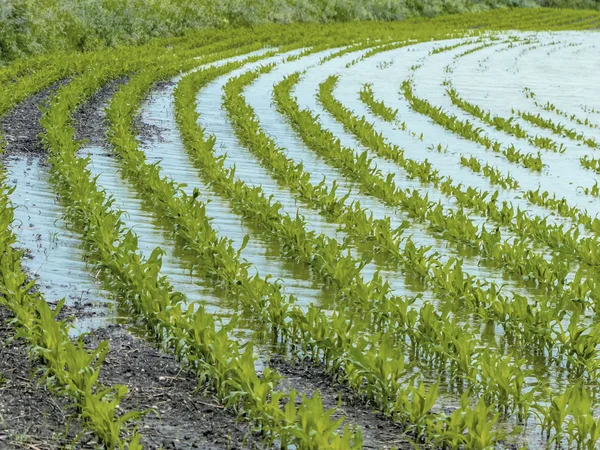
[
  {"x": 366, "y": 133},
  {"x": 558, "y": 85},
  {"x": 214, "y": 119},
  {"x": 500, "y": 98},
  {"x": 282, "y": 133},
  {"x": 140, "y": 219},
  {"x": 585, "y": 219},
  {"x": 346, "y": 92},
  {"x": 167, "y": 149},
  {"x": 383, "y": 189},
  {"x": 67, "y": 367},
  {"x": 540, "y": 197},
  {"x": 432, "y": 89},
  {"x": 577, "y": 247},
  {"x": 53, "y": 254},
  {"x": 306, "y": 123},
  {"x": 250, "y": 134}
]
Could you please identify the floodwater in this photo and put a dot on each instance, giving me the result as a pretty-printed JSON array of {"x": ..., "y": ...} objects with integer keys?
[
  {"x": 560, "y": 68},
  {"x": 53, "y": 254}
]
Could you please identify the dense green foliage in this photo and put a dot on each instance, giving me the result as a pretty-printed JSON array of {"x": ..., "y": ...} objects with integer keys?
[
  {"x": 34, "y": 26},
  {"x": 427, "y": 360}
]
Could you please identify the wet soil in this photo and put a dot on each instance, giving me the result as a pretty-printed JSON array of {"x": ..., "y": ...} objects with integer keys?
[
  {"x": 89, "y": 119},
  {"x": 21, "y": 126},
  {"x": 148, "y": 132},
  {"x": 30, "y": 416},
  {"x": 185, "y": 420},
  {"x": 379, "y": 432}
]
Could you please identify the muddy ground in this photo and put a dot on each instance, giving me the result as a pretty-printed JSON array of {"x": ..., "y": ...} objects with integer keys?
[
  {"x": 30, "y": 415},
  {"x": 179, "y": 417}
]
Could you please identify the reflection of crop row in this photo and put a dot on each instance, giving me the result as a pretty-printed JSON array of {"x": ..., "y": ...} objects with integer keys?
[
  {"x": 540, "y": 333},
  {"x": 504, "y": 125},
  {"x": 587, "y": 250},
  {"x": 469, "y": 131},
  {"x": 204, "y": 345}
]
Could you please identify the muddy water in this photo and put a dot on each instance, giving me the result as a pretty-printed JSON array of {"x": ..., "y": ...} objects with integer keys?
[{"x": 53, "y": 253}]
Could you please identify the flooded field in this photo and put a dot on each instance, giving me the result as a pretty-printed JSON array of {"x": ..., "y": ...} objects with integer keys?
[{"x": 416, "y": 218}]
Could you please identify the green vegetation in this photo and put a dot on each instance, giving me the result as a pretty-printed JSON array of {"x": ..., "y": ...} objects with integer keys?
[
  {"x": 33, "y": 26},
  {"x": 505, "y": 358}
]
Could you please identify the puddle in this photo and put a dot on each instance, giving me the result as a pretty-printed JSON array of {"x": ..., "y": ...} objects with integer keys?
[{"x": 53, "y": 253}]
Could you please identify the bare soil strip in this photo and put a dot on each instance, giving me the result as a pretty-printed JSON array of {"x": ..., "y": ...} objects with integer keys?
[
  {"x": 378, "y": 431},
  {"x": 185, "y": 419},
  {"x": 30, "y": 415},
  {"x": 89, "y": 119},
  {"x": 21, "y": 126}
]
